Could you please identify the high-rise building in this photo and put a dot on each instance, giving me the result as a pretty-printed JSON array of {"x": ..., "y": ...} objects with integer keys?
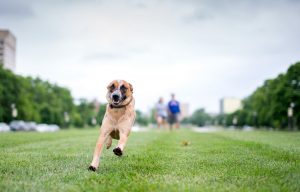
[
  {"x": 7, "y": 50},
  {"x": 230, "y": 105}
]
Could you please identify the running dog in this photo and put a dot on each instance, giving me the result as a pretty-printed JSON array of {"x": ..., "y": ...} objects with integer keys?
[{"x": 118, "y": 120}]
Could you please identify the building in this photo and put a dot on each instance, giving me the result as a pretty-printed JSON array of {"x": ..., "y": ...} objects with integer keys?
[
  {"x": 230, "y": 105},
  {"x": 7, "y": 50}
]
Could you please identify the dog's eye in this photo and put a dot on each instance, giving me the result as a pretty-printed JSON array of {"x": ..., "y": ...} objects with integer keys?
[
  {"x": 123, "y": 88},
  {"x": 112, "y": 87}
]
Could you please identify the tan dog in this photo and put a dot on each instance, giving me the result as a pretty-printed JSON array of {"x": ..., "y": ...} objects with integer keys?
[{"x": 118, "y": 119}]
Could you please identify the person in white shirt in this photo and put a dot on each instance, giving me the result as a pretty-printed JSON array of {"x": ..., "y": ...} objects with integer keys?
[{"x": 161, "y": 113}]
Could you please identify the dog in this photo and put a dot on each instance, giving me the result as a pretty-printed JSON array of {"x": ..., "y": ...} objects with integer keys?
[{"x": 118, "y": 119}]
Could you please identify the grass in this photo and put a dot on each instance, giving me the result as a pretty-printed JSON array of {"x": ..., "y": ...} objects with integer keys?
[{"x": 153, "y": 161}]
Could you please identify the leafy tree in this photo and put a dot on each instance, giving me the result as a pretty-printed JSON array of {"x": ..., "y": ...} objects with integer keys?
[
  {"x": 101, "y": 113},
  {"x": 199, "y": 118},
  {"x": 141, "y": 118},
  {"x": 34, "y": 99},
  {"x": 267, "y": 106}
]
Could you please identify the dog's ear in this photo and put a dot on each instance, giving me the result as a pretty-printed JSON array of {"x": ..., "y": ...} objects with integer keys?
[
  {"x": 111, "y": 86},
  {"x": 130, "y": 87}
]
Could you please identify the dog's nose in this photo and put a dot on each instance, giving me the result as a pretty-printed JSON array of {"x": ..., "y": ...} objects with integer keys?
[{"x": 115, "y": 97}]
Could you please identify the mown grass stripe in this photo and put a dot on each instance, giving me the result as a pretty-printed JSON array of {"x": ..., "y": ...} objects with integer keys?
[{"x": 153, "y": 161}]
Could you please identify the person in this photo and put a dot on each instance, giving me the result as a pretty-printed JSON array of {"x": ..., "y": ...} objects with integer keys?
[
  {"x": 161, "y": 113},
  {"x": 174, "y": 111}
]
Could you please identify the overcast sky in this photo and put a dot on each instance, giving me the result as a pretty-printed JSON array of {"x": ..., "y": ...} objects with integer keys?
[{"x": 200, "y": 50}]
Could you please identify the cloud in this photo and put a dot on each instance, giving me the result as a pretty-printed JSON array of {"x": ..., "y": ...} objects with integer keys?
[
  {"x": 117, "y": 52},
  {"x": 200, "y": 49},
  {"x": 105, "y": 56},
  {"x": 197, "y": 16},
  {"x": 15, "y": 9},
  {"x": 235, "y": 11}
]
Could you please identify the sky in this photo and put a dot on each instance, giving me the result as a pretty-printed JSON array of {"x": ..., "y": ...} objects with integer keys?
[{"x": 201, "y": 50}]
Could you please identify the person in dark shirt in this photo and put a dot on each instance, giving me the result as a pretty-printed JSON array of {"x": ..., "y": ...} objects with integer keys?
[{"x": 174, "y": 112}]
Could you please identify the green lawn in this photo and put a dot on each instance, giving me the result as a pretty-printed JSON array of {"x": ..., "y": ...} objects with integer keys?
[{"x": 153, "y": 161}]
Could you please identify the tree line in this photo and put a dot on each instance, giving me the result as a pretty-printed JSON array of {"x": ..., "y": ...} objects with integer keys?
[
  {"x": 267, "y": 106},
  {"x": 44, "y": 102}
]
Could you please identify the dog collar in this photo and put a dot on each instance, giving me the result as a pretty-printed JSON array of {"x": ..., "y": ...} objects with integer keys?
[{"x": 119, "y": 106}]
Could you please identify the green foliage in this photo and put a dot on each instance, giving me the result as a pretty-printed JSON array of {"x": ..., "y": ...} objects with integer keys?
[
  {"x": 87, "y": 112},
  {"x": 141, "y": 119},
  {"x": 77, "y": 120},
  {"x": 268, "y": 105},
  {"x": 41, "y": 101},
  {"x": 101, "y": 113},
  {"x": 35, "y": 100},
  {"x": 152, "y": 118},
  {"x": 199, "y": 118}
]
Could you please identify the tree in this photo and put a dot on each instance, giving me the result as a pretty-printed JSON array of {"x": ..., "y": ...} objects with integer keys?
[
  {"x": 141, "y": 118},
  {"x": 199, "y": 118},
  {"x": 34, "y": 99},
  {"x": 101, "y": 113},
  {"x": 267, "y": 106}
]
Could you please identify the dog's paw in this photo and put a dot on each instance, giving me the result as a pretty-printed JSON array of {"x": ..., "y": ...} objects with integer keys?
[
  {"x": 117, "y": 151},
  {"x": 92, "y": 168}
]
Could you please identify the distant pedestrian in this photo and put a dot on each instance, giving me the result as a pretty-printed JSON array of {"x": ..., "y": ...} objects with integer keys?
[
  {"x": 161, "y": 113},
  {"x": 174, "y": 112}
]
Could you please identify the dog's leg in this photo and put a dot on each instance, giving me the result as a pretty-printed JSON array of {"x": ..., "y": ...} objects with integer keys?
[
  {"x": 98, "y": 149},
  {"x": 108, "y": 142},
  {"x": 121, "y": 144}
]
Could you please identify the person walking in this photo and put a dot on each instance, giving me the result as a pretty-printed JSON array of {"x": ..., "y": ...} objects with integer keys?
[
  {"x": 161, "y": 113},
  {"x": 174, "y": 112}
]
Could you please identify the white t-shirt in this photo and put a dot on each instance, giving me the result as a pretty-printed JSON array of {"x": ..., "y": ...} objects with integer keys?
[{"x": 161, "y": 109}]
